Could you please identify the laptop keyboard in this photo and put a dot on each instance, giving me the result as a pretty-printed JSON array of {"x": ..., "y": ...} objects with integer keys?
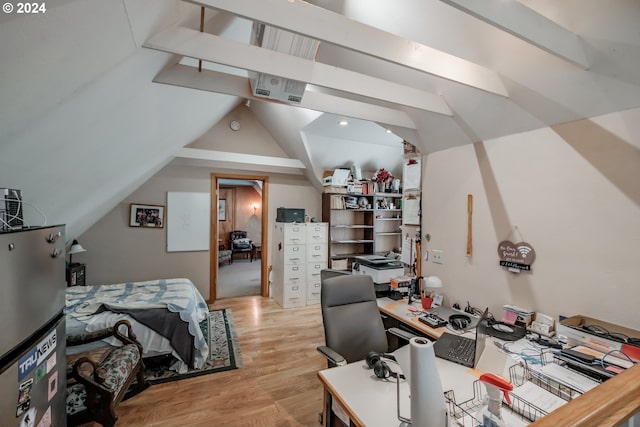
[{"x": 462, "y": 349}]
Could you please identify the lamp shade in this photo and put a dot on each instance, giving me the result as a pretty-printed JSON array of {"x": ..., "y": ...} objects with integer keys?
[
  {"x": 433, "y": 282},
  {"x": 76, "y": 248}
]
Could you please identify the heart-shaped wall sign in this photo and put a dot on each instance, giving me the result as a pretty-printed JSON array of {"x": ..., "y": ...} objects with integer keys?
[{"x": 519, "y": 253}]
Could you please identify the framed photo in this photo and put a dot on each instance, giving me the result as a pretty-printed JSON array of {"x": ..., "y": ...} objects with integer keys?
[
  {"x": 149, "y": 216},
  {"x": 222, "y": 210}
]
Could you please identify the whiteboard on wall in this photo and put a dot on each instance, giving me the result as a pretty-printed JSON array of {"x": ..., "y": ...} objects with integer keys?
[{"x": 188, "y": 221}]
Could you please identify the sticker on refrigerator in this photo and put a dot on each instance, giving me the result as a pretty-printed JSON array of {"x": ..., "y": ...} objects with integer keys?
[
  {"x": 24, "y": 397},
  {"x": 46, "y": 346},
  {"x": 45, "y": 421},
  {"x": 29, "y": 419},
  {"x": 51, "y": 363},
  {"x": 41, "y": 371},
  {"x": 53, "y": 385},
  {"x": 27, "y": 363}
]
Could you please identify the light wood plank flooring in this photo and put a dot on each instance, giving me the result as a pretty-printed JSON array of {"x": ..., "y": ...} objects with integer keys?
[{"x": 277, "y": 386}]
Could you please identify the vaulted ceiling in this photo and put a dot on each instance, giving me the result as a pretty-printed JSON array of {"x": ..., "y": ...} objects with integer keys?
[{"x": 110, "y": 91}]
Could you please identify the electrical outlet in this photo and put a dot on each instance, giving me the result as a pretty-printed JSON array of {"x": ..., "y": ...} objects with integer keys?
[{"x": 437, "y": 256}]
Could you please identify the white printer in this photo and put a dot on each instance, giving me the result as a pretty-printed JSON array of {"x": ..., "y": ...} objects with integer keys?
[{"x": 380, "y": 268}]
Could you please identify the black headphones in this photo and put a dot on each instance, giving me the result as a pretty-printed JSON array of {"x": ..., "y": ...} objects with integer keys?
[
  {"x": 380, "y": 368},
  {"x": 459, "y": 321}
]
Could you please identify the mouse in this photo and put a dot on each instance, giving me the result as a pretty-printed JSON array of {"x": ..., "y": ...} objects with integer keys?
[{"x": 502, "y": 328}]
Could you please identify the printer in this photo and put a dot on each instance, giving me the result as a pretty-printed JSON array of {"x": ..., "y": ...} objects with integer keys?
[{"x": 380, "y": 268}]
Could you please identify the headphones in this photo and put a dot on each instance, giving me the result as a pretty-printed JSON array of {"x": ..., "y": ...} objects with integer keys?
[
  {"x": 379, "y": 366},
  {"x": 459, "y": 321}
]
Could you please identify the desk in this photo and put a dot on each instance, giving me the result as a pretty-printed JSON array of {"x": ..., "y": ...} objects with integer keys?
[
  {"x": 370, "y": 401},
  {"x": 399, "y": 310}
]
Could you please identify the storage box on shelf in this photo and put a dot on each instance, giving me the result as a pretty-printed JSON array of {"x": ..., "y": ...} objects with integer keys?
[{"x": 300, "y": 254}]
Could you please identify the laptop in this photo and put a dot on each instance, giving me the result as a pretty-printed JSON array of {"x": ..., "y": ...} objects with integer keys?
[{"x": 463, "y": 350}]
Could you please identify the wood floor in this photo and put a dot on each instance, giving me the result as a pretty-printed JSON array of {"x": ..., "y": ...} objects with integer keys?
[{"x": 277, "y": 386}]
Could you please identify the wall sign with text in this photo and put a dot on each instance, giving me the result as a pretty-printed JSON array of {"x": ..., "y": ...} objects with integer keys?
[{"x": 516, "y": 256}]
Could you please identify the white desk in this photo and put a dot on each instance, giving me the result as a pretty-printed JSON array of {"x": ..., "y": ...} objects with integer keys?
[{"x": 370, "y": 401}]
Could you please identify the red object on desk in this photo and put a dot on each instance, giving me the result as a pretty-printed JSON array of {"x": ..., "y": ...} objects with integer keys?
[{"x": 426, "y": 302}]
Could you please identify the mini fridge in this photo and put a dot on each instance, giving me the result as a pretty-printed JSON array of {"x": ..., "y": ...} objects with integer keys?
[{"x": 32, "y": 340}]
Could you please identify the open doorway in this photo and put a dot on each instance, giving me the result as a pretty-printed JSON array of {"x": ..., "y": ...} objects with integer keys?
[{"x": 238, "y": 211}]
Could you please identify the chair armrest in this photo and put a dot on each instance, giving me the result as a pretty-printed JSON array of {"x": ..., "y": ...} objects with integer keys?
[
  {"x": 401, "y": 333},
  {"x": 130, "y": 337},
  {"x": 332, "y": 356}
]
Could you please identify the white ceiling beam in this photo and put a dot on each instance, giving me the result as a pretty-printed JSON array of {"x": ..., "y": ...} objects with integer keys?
[
  {"x": 208, "y": 47},
  {"x": 303, "y": 18},
  {"x": 253, "y": 160},
  {"x": 528, "y": 25},
  {"x": 213, "y": 81}
]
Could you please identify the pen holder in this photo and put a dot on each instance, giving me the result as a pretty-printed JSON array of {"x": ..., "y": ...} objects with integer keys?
[{"x": 426, "y": 302}]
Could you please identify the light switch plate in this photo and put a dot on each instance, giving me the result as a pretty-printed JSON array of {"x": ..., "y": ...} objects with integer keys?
[{"x": 437, "y": 256}]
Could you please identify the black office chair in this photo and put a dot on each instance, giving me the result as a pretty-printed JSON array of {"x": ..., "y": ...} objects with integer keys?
[{"x": 352, "y": 323}]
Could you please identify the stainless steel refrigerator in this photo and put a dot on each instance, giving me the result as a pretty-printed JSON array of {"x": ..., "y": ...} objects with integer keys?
[{"x": 32, "y": 328}]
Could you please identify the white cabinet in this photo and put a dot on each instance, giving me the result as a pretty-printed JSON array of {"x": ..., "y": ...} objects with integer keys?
[{"x": 299, "y": 256}]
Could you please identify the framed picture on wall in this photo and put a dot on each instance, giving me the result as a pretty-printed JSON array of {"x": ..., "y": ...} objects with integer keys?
[
  {"x": 222, "y": 210},
  {"x": 148, "y": 216}
]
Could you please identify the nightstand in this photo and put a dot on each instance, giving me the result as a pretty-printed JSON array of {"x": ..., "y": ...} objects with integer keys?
[{"x": 76, "y": 274}]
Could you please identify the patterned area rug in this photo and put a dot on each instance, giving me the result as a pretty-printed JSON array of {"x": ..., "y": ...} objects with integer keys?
[{"x": 224, "y": 353}]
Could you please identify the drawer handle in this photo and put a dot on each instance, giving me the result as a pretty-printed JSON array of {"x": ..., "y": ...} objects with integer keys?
[
  {"x": 317, "y": 285},
  {"x": 295, "y": 288},
  {"x": 295, "y": 268},
  {"x": 296, "y": 249},
  {"x": 317, "y": 248}
]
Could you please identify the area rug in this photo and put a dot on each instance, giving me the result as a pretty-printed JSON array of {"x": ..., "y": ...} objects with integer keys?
[{"x": 224, "y": 352}]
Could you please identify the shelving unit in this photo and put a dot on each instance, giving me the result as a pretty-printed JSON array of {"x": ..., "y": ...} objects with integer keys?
[{"x": 368, "y": 230}]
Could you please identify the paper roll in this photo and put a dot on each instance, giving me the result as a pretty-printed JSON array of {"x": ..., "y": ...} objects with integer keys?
[{"x": 428, "y": 406}]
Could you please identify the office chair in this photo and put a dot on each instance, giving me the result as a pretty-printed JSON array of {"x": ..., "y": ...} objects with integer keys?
[{"x": 352, "y": 324}]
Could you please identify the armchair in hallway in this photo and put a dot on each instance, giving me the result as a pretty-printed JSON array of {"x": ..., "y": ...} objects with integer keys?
[{"x": 240, "y": 244}]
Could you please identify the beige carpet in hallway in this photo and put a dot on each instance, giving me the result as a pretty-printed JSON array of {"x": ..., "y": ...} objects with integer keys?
[{"x": 239, "y": 279}]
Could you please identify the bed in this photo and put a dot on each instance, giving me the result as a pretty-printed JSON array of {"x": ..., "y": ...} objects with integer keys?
[{"x": 165, "y": 315}]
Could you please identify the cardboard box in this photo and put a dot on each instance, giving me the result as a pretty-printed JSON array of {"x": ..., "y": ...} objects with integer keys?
[
  {"x": 575, "y": 330},
  {"x": 339, "y": 264}
]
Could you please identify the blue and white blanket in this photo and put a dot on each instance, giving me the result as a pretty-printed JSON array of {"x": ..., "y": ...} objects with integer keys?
[{"x": 176, "y": 295}]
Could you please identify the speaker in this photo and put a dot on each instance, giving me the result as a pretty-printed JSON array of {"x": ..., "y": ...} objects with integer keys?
[
  {"x": 379, "y": 366},
  {"x": 459, "y": 321},
  {"x": 11, "y": 217}
]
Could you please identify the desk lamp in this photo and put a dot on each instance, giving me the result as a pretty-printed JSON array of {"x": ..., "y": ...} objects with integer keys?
[
  {"x": 75, "y": 249},
  {"x": 434, "y": 282}
]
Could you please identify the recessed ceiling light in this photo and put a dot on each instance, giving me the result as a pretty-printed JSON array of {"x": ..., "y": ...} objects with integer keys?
[
  {"x": 388, "y": 131},
  {"x": 343, "y": 122}
]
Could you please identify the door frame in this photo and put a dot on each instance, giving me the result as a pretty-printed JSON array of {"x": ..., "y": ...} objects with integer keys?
[{"x": 213, "y": 238}]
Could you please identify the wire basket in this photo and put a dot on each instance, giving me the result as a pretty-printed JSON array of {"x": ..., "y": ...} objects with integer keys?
[{"x": 464, "y": 412}]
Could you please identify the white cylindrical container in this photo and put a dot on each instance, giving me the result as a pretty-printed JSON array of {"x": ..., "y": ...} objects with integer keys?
[{"x": 428, "y": 406}]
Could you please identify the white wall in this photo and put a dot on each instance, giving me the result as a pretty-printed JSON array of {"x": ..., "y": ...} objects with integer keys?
[
  {"x": 118, "y": 253},
  {"x": 572, "y": 192}
]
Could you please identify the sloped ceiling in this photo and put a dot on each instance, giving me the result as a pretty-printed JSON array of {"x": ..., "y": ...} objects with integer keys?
[{"x": 98, "y": 95}]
